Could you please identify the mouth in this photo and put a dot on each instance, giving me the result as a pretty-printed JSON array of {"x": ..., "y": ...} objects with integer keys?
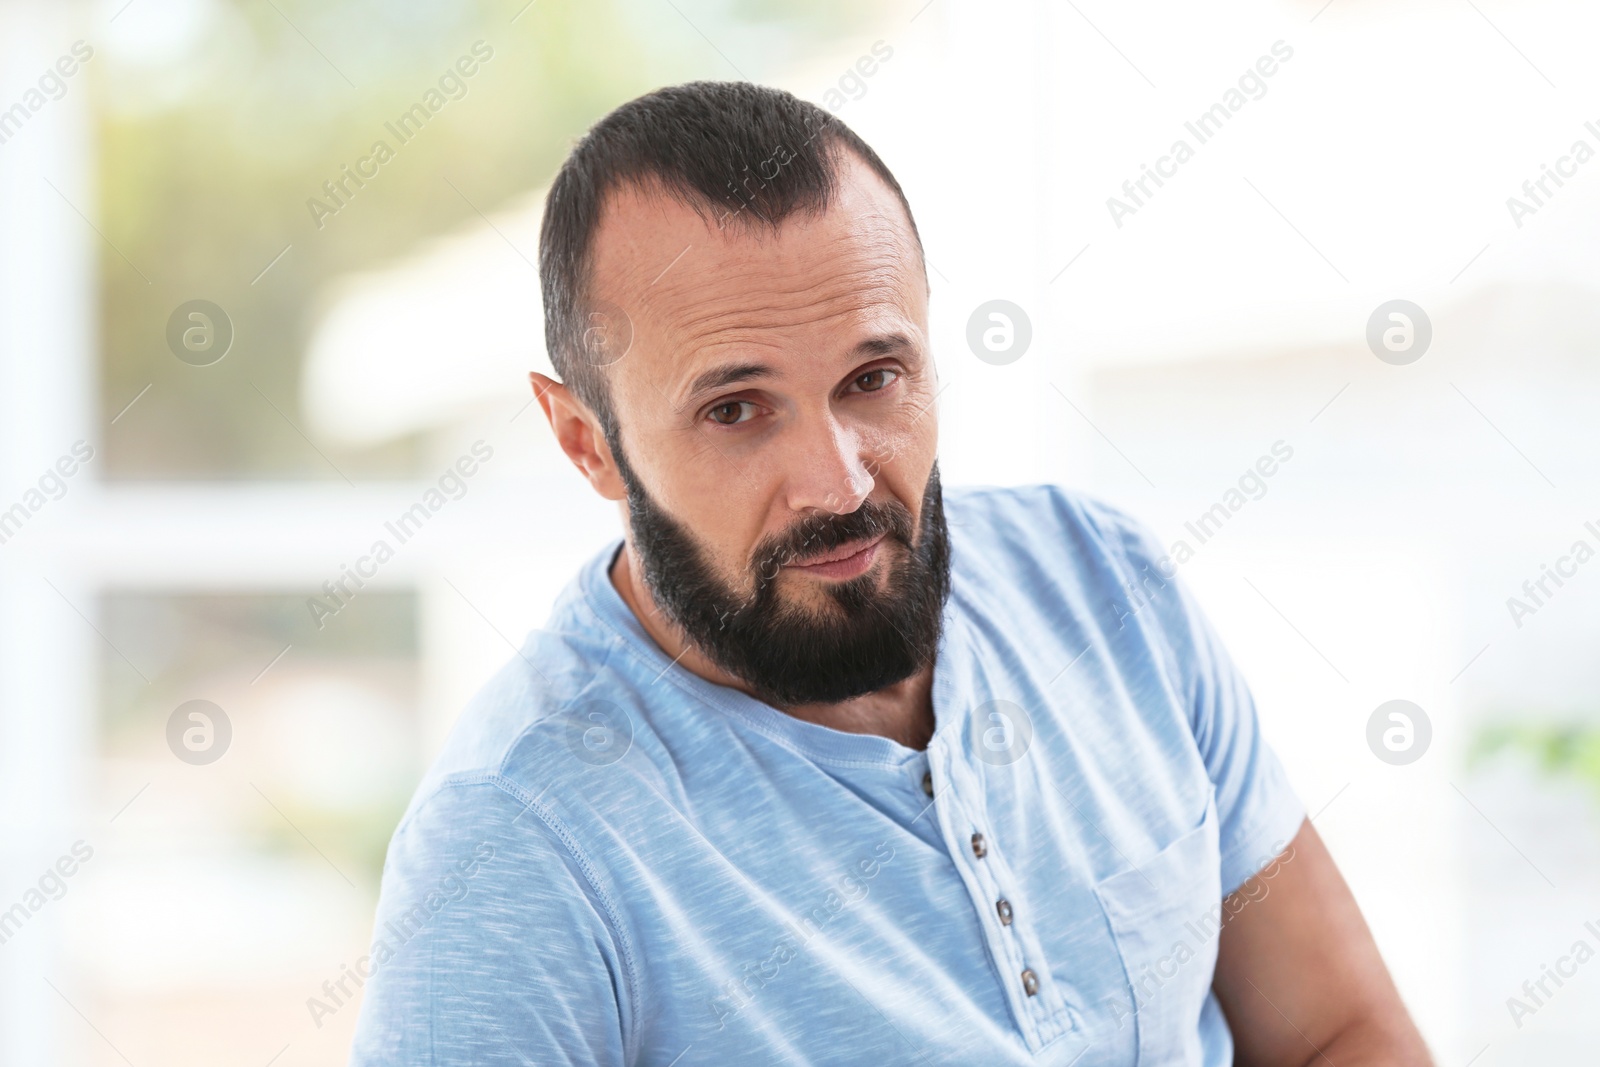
[{"x": 847, "y": 561}]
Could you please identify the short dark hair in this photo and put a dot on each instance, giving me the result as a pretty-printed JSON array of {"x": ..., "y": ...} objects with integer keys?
[{"x": 749, "y": 154}]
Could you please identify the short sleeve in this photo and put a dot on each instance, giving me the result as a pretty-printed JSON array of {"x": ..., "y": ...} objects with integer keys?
[
  {"x": 1258, "y": 809},
  {"x": 468, "y": 965}
]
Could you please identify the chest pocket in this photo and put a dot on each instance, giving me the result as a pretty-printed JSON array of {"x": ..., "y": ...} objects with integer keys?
[{"x": 1165, "y": 917}]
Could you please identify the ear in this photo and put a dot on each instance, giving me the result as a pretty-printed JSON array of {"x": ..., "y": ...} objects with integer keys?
[{"x": 579, "y": 435}]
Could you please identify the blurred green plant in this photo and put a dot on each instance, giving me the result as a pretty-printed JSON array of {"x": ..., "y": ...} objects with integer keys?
[
  {"x": 1557, "y": 749},
  {"x": 209, "y": 152}
]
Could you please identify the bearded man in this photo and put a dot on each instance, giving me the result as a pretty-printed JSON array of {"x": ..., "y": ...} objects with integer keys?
[{"x": 822, "y": 763}]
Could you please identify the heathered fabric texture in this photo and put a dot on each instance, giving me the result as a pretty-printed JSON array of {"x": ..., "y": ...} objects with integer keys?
[{"x": 615, "y": 862}]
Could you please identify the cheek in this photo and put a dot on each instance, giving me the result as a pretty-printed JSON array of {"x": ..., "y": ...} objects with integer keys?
[
  {"x": 725, "y": 510},
  {"x": 901, "y": 454}
]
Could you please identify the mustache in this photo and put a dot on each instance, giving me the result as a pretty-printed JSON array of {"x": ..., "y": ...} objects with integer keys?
[{"x": 823, "y": 532}]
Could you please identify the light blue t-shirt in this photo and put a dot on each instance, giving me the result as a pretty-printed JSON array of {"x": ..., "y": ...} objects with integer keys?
[{"x": 616, "y": 862}]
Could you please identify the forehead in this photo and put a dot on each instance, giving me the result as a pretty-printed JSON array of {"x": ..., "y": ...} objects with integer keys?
[{"x": 698, "y": 292}]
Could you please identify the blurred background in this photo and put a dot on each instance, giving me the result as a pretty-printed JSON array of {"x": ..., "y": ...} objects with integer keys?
[{"x": 228, "y": 368}]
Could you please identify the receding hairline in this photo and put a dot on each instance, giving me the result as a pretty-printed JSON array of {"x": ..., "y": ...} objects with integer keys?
[{"x": 656, "y": 190}]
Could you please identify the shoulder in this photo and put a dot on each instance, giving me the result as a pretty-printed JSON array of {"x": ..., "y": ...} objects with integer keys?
[
  {"x": 487, "y": 863},
  {"x": 525, "y": 696},
  {"x": 568, "y": 701},
  {"x": 1054, "y": 560},
  {"x": 1049, "y": 534},
  {"x": 484, "y": 900}
]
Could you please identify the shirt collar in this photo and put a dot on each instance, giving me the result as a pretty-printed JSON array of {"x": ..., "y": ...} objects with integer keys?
[{"x": 951, "y": 677}]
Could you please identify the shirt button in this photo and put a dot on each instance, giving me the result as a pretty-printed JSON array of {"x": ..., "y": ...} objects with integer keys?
[
  {"x": 927, "y": 782},
  {"x": 1003, "y": 906},
  {"x": 1030, "y": 982},
  {"x": 980, "y": 847}
]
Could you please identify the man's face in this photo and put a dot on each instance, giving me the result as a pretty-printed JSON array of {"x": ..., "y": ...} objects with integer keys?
[{"x": 778, "y": 437}]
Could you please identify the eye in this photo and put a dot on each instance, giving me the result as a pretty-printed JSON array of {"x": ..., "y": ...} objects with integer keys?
[
  {"x": 874, "y": 380},
  {"x": 732, "y": 412}
]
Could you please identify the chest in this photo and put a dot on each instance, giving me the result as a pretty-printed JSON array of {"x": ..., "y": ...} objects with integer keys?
[{"x": 1041, "y": 886}]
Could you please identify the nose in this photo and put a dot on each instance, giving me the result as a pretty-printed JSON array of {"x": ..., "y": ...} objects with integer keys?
[{"x": 827, "y": 469}]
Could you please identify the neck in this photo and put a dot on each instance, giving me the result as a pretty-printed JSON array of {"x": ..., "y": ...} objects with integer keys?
[{"x": 902, "y": 712}]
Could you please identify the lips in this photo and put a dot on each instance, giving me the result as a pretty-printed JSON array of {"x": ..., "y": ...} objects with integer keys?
[{"x": 844, "y": 551}]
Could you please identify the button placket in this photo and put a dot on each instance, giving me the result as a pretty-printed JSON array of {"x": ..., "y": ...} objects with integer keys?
[{"x": 1038, "y": 1003}]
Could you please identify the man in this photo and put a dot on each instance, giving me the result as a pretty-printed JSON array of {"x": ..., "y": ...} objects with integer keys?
[{"x": 821, "y": 764}]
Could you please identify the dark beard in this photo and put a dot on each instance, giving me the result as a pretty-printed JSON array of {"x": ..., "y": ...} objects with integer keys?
[{"x": 787, "y": 654}]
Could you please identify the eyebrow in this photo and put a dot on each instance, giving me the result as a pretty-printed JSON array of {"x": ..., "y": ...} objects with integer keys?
[
  {"x": 733, "y": 373},
  {"x": 720, "y": 377}
]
